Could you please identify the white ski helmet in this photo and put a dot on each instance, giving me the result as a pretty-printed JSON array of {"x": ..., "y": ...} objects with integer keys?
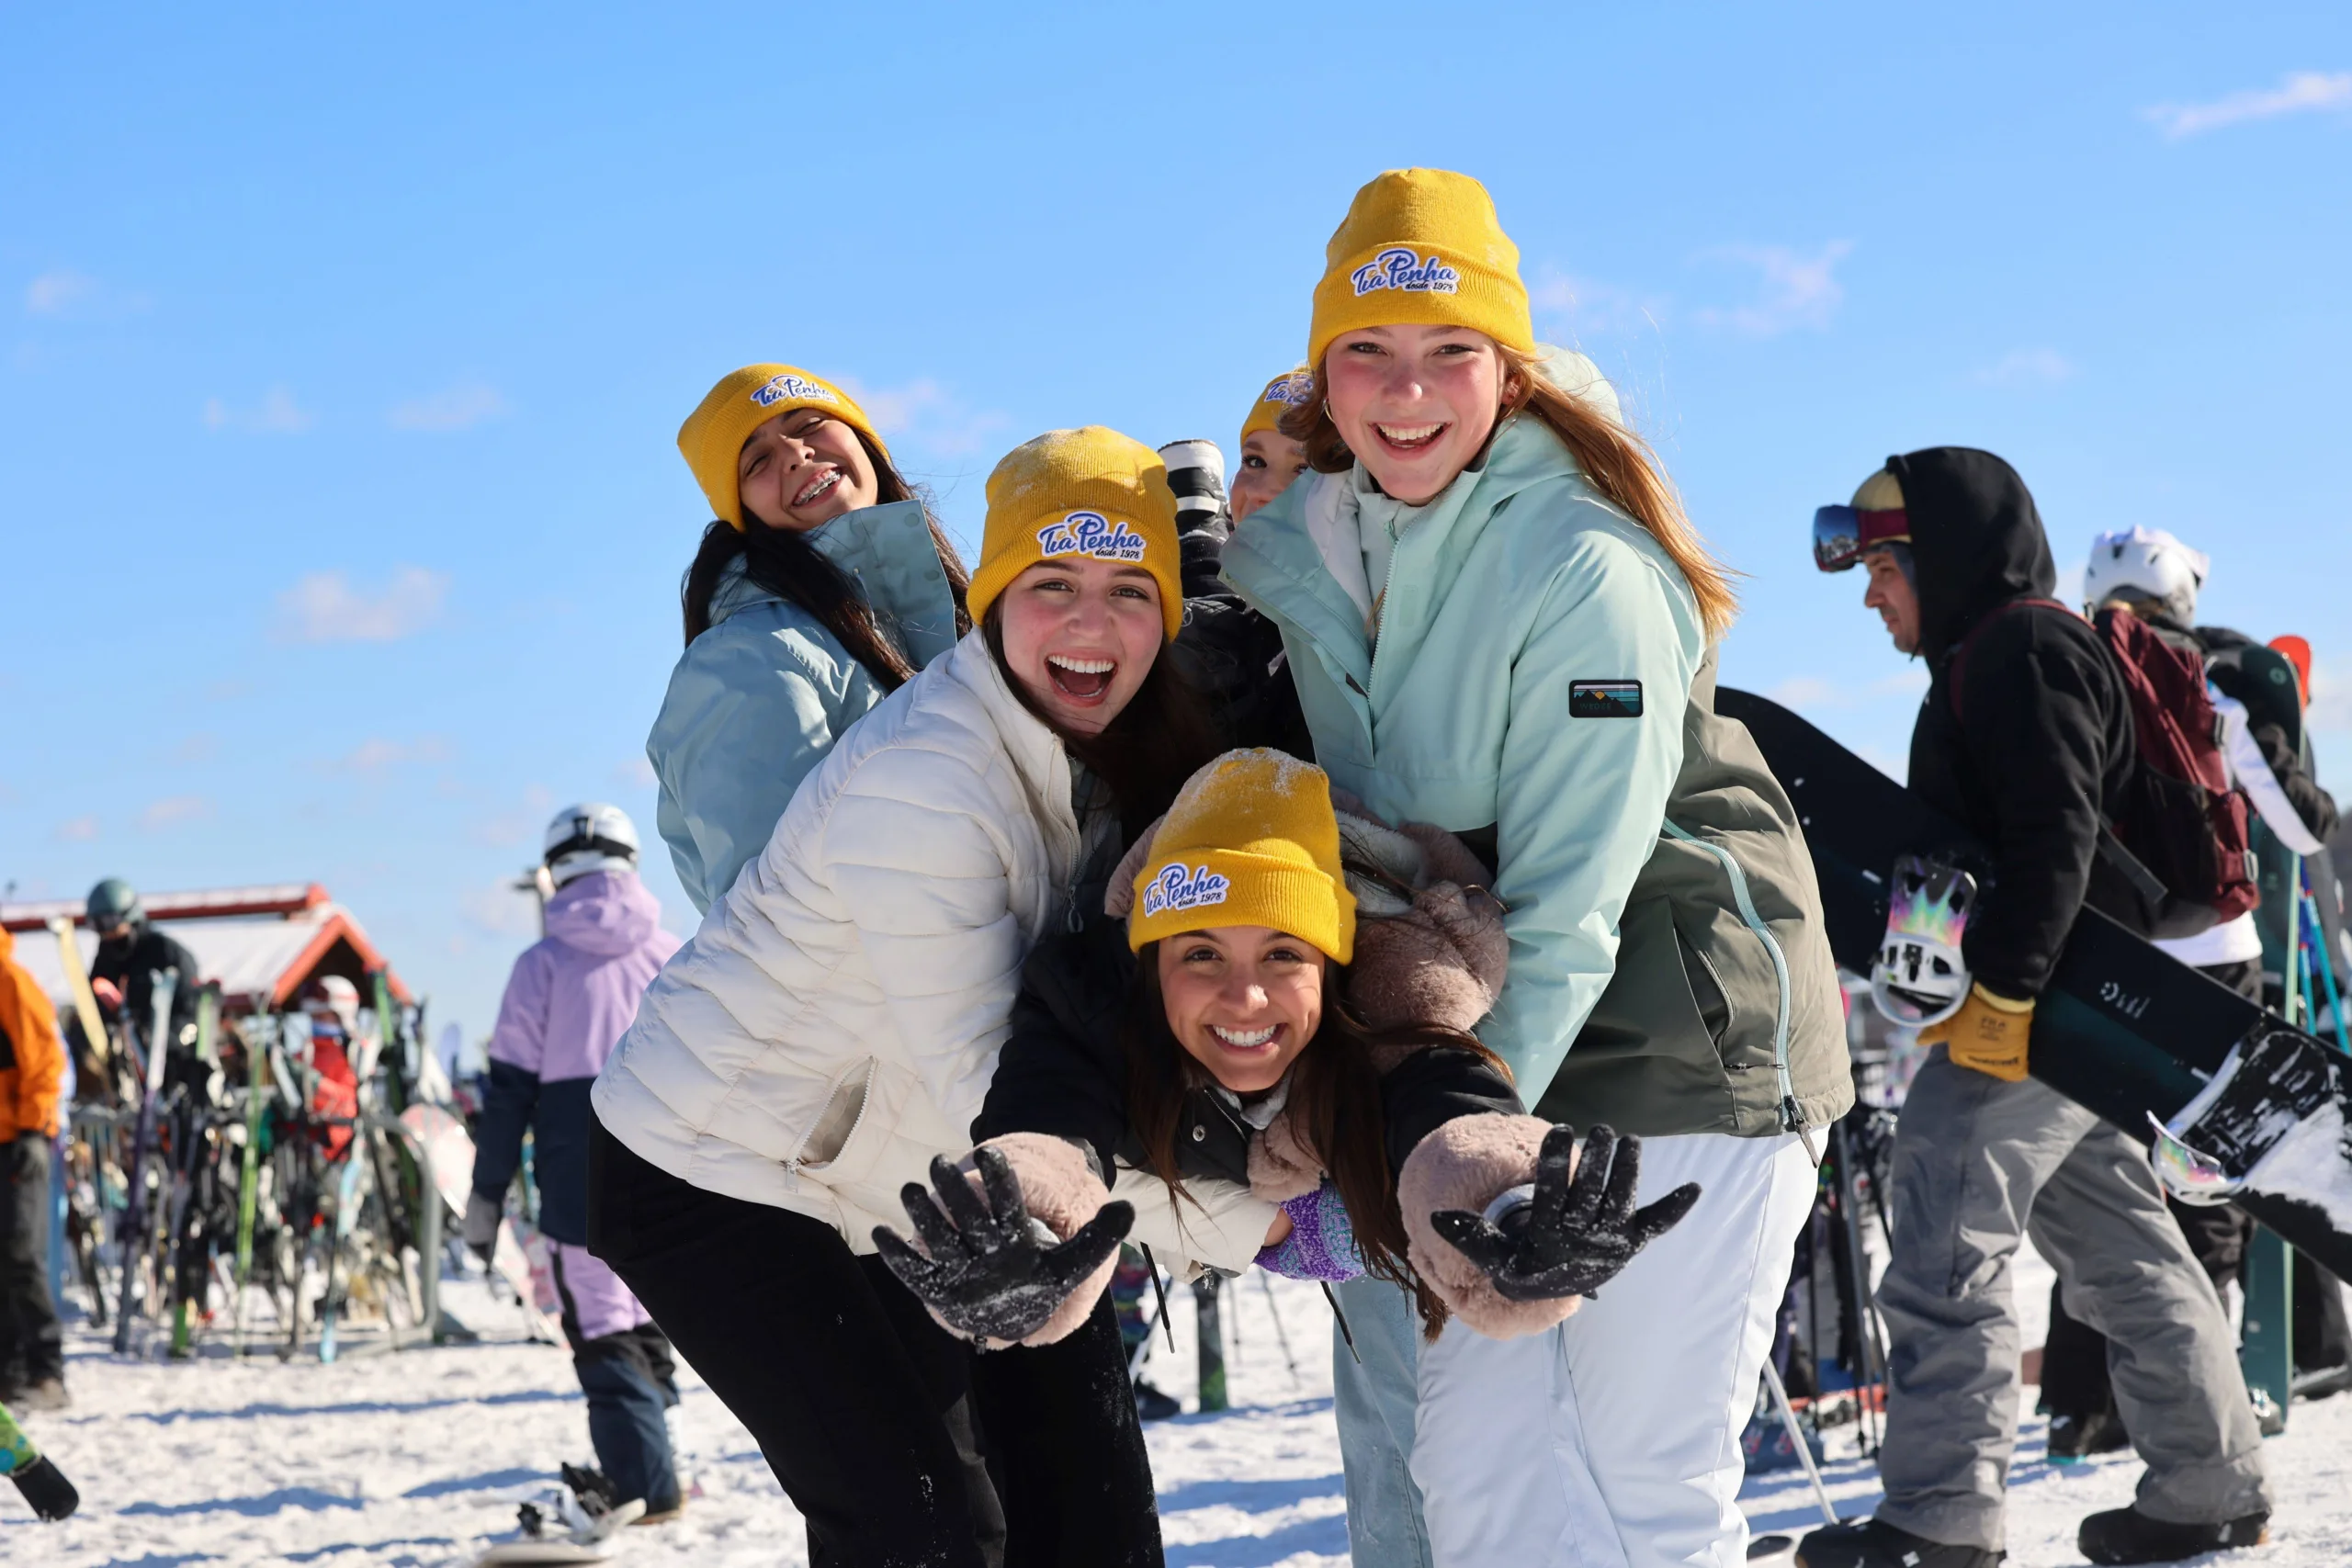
[
  {"x": 2145, "y": 563},
  {"x": 592, "y": 836}
]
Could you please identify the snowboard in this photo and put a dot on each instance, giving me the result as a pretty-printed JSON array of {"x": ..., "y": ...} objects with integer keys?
[
  {"x": 2122, "y": 1030},
  {"x": 44, "y": 1486},
  {"x": 451, "y": 1149},
  {"x": 592, "y": 1541}
]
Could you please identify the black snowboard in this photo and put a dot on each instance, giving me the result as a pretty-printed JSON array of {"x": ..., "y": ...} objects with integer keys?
[{"x": 2123, "y": 1030}]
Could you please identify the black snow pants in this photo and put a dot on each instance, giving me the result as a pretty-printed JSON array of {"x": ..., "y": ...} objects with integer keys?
[
  {"x": 900, "y": 1444},
  {"x": 32, "y": 1347}
]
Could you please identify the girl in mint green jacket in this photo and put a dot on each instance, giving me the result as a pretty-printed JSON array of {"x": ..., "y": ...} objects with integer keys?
[
  {"x": 820, "y": 589},
  {"x": 1495, "y": 615}
]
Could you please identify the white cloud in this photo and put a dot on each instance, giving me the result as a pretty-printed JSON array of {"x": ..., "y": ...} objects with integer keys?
[
  {"x": 636, "y": 773},
  {"x": 197, "y": 749},
  {"x": 460, "y": 407},
  {"x": 2299, "y": 92},
  {"x": 1909, "y": 682},
  {"x": 1803, "y": 691},
  {"x": 2331, "y": 708},
  {"x": 1794, "y": 289},
  {"x": 57, "y": 293},
  {"x": 275, "y": 415},
  {"x": 1592, "y": 307},
  {"x": 500, "y": 909},
  {"x": 78, "y": 830},
  {"x": 174, "y": 809},
  {"x": 2070, "y": 581},
  {"x": 376, "y": 754},
  {"x": 2026, "y": 367},
  {"x": 324, "y": 607},
  {"x": 926, "y": 415}
]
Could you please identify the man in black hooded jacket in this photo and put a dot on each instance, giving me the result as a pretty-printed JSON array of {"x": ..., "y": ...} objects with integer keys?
[{"x": 2026, "y": 738}]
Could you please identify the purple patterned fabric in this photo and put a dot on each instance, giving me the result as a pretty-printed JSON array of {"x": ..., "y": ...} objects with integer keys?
[{"x": 1321, "y": 1243}]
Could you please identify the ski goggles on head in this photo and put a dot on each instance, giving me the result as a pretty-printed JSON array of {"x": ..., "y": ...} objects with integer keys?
[{"x": 1842, "y": 535}]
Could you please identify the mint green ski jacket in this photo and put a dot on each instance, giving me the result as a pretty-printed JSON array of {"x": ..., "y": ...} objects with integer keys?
[
  {"x": 1536, "y": 656},
  {"x": 759, "y": 698}
]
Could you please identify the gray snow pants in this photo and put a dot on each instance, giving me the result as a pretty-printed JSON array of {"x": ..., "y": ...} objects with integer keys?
[{"x": 1979, "y": 1164}]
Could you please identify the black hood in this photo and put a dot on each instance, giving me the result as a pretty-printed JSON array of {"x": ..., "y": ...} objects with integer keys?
[{"x": 1975, "y": 537}]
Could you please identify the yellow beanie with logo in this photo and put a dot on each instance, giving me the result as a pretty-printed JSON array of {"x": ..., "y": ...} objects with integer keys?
[
  {"x": 1251, "y": 841},
  {"x": 712, "y": 438},
  {"x": 1284, "y": 393},
  {"x": 1089, "y": 491},
  {"x": 1421, "y": 247}
]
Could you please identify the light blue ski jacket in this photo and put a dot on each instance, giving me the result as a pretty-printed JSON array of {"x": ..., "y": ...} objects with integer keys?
[
  {"x": 1518, "y": 603},
  {"x": 759, "y": 698}
]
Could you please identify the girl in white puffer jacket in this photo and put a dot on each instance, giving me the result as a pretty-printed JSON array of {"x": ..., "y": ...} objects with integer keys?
[{"x": 835, "y": 1023}]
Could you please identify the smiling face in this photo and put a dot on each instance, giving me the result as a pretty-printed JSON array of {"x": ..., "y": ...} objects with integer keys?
[
  {"x": 1414, "y": 404},
  {"x": 1270, "y": 460},
  {"x": 1242, "y": 1000},
  {"x": 1080, "y": 635},
  {"x": 802, "y": 469},
  {"x": 1896, "y": 601}
]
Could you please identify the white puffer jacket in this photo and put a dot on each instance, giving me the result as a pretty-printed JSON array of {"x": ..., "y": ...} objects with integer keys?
[{"x": 836, "y": 1021}]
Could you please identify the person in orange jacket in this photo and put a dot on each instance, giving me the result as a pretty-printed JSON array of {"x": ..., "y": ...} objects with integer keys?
[{"x": 32, "y": 1075}]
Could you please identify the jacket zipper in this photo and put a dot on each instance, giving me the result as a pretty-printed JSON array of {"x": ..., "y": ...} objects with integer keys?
[{"x": 1791, "y": 1117}]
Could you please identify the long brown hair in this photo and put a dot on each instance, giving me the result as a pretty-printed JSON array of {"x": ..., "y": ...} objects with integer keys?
[
  {"x": 1334, "y": 1102},
  {"x": 1616, "y": 462},
  {"x": 1161, "y": 738},
  {"x": 783, "y": 561}
]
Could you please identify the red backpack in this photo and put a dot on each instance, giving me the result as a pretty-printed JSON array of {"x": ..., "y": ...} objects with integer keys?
[{"x": 2180, "y": 833}]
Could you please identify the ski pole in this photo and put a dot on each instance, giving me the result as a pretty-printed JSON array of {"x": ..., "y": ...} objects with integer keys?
[{"x": 1797, "y": 1436}]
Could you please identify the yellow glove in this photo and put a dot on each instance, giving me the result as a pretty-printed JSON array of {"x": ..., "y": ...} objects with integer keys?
[{"x": 1988, "y": 1034}]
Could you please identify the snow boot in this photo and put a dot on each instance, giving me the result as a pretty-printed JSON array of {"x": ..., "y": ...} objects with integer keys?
[
  {"x": 2127, "y": 1535},
  {"x": 1867, "y": 1543},
  {"x": 1153, "y": 1406},
  {"x": 2073, "y": 1438}
]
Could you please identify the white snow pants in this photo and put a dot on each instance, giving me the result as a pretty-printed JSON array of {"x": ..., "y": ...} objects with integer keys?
[{"x": 1612, "y": 1441}]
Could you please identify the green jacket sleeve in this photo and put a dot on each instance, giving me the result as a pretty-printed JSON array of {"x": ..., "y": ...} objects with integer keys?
[
  {"x": 1581, "y": 799},
  {"x": 750, "y": 711}
]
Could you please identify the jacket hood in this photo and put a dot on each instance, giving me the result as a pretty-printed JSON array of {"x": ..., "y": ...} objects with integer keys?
[
  {"x": 604, "y": 912},
  {"x": 887, "y": 551},
  {"x": 1975, "y": 537}
]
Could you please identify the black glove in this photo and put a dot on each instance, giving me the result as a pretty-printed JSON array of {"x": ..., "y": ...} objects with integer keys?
[
  {"x": 994, "y": 1273},
  {"x": 1576, "y": 1234},
  {"x": 45, "y": 1487}
]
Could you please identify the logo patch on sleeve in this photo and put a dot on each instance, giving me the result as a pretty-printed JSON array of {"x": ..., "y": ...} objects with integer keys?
[{"x": 1604, "y": 699}]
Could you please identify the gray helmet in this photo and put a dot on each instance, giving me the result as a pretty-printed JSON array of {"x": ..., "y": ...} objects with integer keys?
[{"x": 115, "y": 902}]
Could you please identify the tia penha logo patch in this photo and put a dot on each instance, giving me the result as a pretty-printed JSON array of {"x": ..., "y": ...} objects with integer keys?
[
  {"x": 779, "y": 387},
  {"x": 1604, "y": 699}
]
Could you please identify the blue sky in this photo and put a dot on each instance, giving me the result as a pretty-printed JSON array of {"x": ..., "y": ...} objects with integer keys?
[{"x": 342, "y": 350}]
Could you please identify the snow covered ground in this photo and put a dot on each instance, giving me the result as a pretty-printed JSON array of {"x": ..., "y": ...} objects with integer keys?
[{"x": 417, "y": 1459}]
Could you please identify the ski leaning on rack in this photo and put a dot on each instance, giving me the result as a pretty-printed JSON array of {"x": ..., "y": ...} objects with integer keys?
[
  {"x": 2235, "y": 1098},
  {"x": 133, "y": 1238}
]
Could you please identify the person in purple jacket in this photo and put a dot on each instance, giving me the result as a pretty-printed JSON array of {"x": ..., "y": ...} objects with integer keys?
[{"x": 572, "y": 997}]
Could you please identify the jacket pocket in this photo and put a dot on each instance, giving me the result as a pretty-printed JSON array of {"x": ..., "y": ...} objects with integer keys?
[{"x": 839, "y": 1122}]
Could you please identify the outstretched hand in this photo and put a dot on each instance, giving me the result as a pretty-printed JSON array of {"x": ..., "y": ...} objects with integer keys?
[
  {"x": 1579, "y": 1230},
  {"x": 993, "y": 1272}
]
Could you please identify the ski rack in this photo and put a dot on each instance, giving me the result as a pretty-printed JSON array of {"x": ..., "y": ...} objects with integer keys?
[{"x": 106, "y": 1120}]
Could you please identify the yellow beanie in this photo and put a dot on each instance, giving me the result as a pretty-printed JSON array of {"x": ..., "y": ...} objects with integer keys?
[
  {"x": 1284, "y": 393},
  {"x": 1091, "y": 491},
  {"x": 712, "y": 438},
  {"x": 1250, "y": 841},
  {"x": 1421, "y": 247}
]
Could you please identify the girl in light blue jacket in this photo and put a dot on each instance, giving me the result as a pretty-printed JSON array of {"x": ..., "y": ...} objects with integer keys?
[
  {"x": 824, "y": 585},
  {"x": 1499, "y": 622}
]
